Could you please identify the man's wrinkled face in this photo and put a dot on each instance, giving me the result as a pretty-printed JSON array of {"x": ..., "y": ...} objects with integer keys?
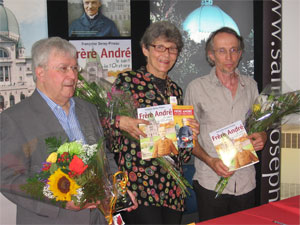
[
  {"x": 226, "y": 53},
  {"x": 91, "y": 7},
  {"x": 58, "y": 79}
]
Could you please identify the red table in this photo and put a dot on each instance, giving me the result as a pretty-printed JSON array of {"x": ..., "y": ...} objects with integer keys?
[{"x": 284, "y": 212}]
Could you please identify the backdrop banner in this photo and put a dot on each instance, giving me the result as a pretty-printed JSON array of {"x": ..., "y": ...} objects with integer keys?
[{"x": 268, "y": 69}]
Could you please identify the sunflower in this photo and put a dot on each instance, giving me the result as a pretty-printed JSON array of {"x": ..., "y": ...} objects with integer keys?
[{"x": 62, "y": 186}]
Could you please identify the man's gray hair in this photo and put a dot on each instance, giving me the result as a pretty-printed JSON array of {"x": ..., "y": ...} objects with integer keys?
[
  {"x": 42, "y": 49},
  {"x": 165, "y": 30},
  {"x": 210, "y": 41},
  {"x": 98, "y": 1}
]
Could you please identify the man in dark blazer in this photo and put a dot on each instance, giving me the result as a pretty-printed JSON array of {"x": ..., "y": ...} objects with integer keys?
[{"x": 50, "y": 111}]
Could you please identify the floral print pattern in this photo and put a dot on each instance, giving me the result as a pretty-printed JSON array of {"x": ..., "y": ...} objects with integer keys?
[{"x": 150, "y": 183}]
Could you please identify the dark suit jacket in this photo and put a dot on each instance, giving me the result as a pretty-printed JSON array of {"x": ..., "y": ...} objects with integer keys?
[
  {"x": 100, "y": 26},
  {"x": 24, "y": 128}
]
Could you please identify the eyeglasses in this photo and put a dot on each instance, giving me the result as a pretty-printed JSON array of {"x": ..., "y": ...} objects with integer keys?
[
  {"x": 161, "y": 48},
  {"x": 232, "y": 51},
  {"x": 65, "y": 69}
]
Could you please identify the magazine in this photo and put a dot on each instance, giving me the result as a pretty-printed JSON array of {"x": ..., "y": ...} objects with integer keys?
[
  {"x": 233, "y": 146},
  {"x": 184, "y": 132},
  {"x": 161, "y": 135}
]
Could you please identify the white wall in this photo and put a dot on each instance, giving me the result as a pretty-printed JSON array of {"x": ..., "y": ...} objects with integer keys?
[
  {"x": 7, "y": 211},
  {"x": 291, "y": 46},
  {"x": 290, "y": 76},
  {"x": 291, "y": 50}
]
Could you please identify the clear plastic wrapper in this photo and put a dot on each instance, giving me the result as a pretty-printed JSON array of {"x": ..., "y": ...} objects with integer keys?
[{"x": 268, "y": 112}]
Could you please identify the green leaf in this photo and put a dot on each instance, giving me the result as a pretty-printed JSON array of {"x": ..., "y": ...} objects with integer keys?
[
  {"x": 52, "y": 144},
  {"x": 34, "y": 188},
  {"x": 53, "y": 168}
]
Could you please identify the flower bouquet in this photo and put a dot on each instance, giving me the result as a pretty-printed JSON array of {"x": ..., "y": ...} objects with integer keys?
[
  {"x": 267, "y": 113},
  {"x": 167, "y": 163},
  {"x": 118, "y": 103},
  {"x": 270, "y": 109},
  {"x": 108, "y": 100},
  {"x": 74, "y": 172}
]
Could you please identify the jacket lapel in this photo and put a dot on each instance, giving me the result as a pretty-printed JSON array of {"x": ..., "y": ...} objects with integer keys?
[
  {"x": 45, "y": 115},
  {"x": 87, "y": 123}
]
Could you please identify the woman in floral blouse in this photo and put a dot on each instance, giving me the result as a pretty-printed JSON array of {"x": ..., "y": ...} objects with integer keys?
[{"x": 159, "y": 197}]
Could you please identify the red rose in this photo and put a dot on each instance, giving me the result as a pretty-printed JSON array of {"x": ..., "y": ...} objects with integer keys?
[
  {"x": 46, "y": 166},
  {"x": 77, "y": 166}
]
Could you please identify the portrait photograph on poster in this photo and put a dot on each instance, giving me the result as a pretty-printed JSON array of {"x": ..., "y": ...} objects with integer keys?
[
  {"x": 19, "y": 30},
  {"x": 99, "y": 18},
  {"x": 61, "y": 14},
  {"x": 196, "y": 19}
]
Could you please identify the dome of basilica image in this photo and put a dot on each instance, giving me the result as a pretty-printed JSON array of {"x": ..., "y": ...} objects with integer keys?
[
  {"x": 9, "y": 26},
  {"x": 206, "y": 19}
]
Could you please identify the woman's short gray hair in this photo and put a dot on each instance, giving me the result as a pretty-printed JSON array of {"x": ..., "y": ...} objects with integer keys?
[
  {"x": 42, "y": 49},
  {"x": 210, "y": 41},
  {"x": 165, "y": 30}
]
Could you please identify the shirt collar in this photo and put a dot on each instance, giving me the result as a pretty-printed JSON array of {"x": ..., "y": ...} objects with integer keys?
[
  {"x": 92, "y": 17},
  {"x": 214, "y": 79},
  {"x": 52, "y": 104}
]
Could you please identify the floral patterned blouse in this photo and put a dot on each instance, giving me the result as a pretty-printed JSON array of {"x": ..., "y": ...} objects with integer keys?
[{"x": 150, "y": 183}]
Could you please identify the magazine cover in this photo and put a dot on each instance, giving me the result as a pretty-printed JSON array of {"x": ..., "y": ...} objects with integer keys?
[
  {"x": 103, "y": 60},
  {"x": 233, "y": 146},
  {"x": 184, "y": 132},
  {"x": 161, "y": 135}
]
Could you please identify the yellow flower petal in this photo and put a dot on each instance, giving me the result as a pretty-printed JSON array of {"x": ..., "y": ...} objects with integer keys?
[
  {"x": 256, "y": 107},
  {"x": 62, "y": 186},
  {"x": 52, "y": 157}
]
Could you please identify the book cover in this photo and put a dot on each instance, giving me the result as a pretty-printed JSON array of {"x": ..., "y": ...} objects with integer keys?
[
  {"x": 184, "y": 132},
  {"x": 103, "y": 59},
  {"x": 233, "y": 146},
  {"x": 161, "y": 135}
]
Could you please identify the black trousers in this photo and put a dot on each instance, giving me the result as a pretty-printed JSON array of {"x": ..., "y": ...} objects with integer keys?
[
  {"x": 210, "y": 207},
  {"x": 152, "y": 215}
]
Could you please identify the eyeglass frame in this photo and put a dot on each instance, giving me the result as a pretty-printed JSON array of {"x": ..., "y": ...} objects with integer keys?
[
  {"x": 225, "y": 52},
  {"x": 76, "y": 69},
  {"x": 165, "y": 48}
]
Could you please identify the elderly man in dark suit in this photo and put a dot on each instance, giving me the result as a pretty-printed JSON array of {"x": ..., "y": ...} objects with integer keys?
[{"x": 50, "y": 111}]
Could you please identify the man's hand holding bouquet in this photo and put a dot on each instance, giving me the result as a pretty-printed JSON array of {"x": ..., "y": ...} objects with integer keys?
[
  {"x": 266, "y": 113},
  {"x": 75, "y": 176}
]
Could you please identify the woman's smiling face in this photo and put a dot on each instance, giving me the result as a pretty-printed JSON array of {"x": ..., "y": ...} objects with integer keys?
[{"x": 158, "y": 62}]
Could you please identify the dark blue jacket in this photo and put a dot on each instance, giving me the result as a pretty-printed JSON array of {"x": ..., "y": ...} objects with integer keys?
[
  {"x": 185, "y": 137},
  {"x": 99, "y": 26}
]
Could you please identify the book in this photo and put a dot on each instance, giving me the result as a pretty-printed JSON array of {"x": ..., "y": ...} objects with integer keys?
[
  {"x": 233, "y": 146},
  {"x": 161, "y": 135},
  {"x": 184, "y": 132}
]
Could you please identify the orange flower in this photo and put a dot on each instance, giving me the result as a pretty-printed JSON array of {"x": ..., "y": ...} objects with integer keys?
[{"x": 77, "y": 166}]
